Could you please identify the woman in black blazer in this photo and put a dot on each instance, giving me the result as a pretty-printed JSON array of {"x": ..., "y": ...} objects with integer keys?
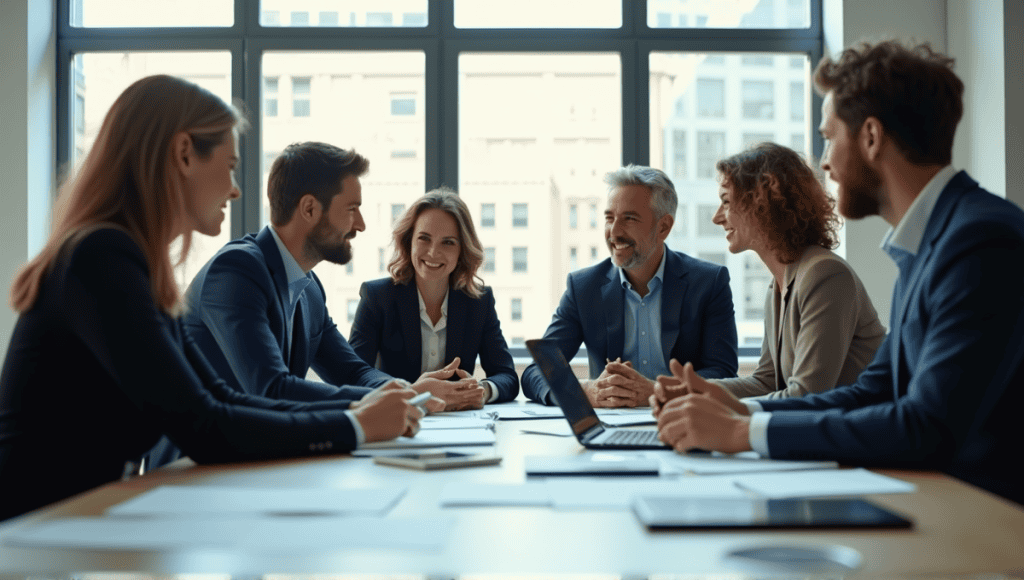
[
  {"x": 99, "y": 365},
  {"x": 433, "y": 315}
]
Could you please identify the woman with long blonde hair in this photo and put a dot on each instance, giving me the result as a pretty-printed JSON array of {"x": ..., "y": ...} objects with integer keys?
[{"x": 99, "y": 366}]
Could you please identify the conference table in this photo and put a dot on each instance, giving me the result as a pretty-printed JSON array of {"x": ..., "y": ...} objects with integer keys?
[{"x": 959, "y": 531}]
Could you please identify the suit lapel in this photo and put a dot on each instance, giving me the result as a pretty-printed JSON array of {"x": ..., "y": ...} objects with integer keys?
[
  {"x": 612, "y": 297},
  {"x": 272, "y": 257},
  {"x": 673, "y": 289},
  {"x": 457, "y": 310},
  {"x": 780, "y": 315},
  {"x": 408, "y": 305}
]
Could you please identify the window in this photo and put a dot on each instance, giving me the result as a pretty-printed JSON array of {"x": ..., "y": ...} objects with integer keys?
[
  {"x": 572, "y": 216},
  {"x": 751, "y": 139},
  {"x": 270, "y": 18},
  {"x": 517, "y": 309},
  {"x": 487, "y": 215},
  {"x": 519, "y": 259},
  {"x": 378, "y": 19},
  {"x": 593, "y": 254},
  {"x": 397, "y": 209},
  {"x": 349, "y": 268},
  {"x": 705, "y": 227},
  {"x": 678, "y": 163},
  {"x": 328, "y": 18},
  {"x": 300, "y": 96},
  {"x": 710, "y": 148},
  {"x": 520, "y": 215},
  {"x": 414, "y": 19},
  {"x": 300, "y": 18},
  {"x": 270, "y": 96},
  {"x": 352, "y": 304},
  {"x": 403, "y": 105},
  {"x": 573, "y": 264},
  {"x": 757, "y": 60},
  {"x": 710, "y": 97},
  {"x": 758, "y": 102},
  {"x": 796, "y": 142},
  {"x": 593, "y": 215},
  {"x": 796, "y": 101},
  {"x": 381, "y": 262},
  {"x": 716, "y": 14},
  {"x": 488, "y": 265}
]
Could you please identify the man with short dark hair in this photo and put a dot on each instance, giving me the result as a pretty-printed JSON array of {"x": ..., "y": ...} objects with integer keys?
[
  {"x": 259, "y": 313},
  {"x": 944, "y": 391},
  {"x": 645, "y": 305}
]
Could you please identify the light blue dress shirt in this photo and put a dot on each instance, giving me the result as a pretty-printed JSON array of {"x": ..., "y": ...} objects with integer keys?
[
  {"x": 642, "y": 325},
  {"x": 901, "y": 244},
  {"x": 298, "y": 279}
]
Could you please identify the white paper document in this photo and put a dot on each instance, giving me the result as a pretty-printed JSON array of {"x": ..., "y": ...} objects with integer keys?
[
  {"x": 527, "y": 411},
  {"x": 459, "y": 493},
  {"x": 832, "y": 482},
  {"x": 437, "y": 438},
  {"x": 183, "y": 499},
  {"x": 618, "y": 493},
  {"x": 673, "y": 463},
  {"x": 288, "y": 535},
  {"x": 440, "y": 422}
]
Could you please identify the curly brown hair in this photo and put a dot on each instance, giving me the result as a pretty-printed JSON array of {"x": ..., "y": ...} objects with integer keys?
[
  {"x": 913, "y": 92},
  {"x": 779, "y": 190},
  {"x": 471, "y": 256}
]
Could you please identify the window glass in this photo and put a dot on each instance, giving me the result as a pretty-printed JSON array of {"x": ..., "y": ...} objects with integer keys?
[
  {"x": 379, "y": 13},
  {"x": 98, "y": 79},
  {"x": 487, "y": 215},
  {"x": 732, "y": 14},
  {"x": 558, "y": 133},
  {"x": 488, "y": 259},
  {"x": 270, "y": 88},
  {"x": 751, "y": 112},
  {"x": 517, "y": 309},
  {"x": 573, "y": 217},
  {"x": 538, "y": 14},
  {"x": 334, "y": 85},
  {"x": 177, "y": 13},
  {"x": 710, "y": 97}
]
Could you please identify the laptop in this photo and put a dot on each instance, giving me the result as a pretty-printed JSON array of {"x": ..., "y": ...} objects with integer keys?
[{"x": 585, "y": 424}]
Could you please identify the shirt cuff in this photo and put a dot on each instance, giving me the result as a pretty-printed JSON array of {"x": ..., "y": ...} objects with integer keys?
[
  {"x": 752, "y": 405},
  {"x": 494, "y": 390},
  {"x": 357, "y": 428},
  {"x": 759, "y": 432}
]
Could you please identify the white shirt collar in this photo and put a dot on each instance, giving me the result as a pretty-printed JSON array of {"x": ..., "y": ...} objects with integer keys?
[
  {"x": 293, "y": 271},
  {"x": 909, "y": 232},
  {"x": 442, "y": 322}
]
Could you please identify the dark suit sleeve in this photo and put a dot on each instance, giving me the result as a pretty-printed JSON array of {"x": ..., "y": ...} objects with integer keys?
[
  {"x": 166, "y": 378},
  {"x": 719, "y": 355},
  {"x": 567, "y": 330},
  {"x": 967, "y": 327},
  {"x": 367, "y": 328},
  {"x": 337, "y": 363},
  {"x": 234, "y": 306},
  {"x": 495, "y": 357}
]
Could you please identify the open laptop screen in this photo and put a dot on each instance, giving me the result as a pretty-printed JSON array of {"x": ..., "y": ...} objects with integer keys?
[{"x": 564, "y": 385}]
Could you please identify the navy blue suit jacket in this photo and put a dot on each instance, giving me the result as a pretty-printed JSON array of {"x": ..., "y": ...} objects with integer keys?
[
  {"x": 387, "y": 323},
  {"x": 698, "y": 323},
  {"x": 946, "y": 388},
  {"x": 237, "y": 312}
]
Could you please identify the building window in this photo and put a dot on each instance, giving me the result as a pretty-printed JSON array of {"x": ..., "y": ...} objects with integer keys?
[
  {"x": 329, "y": 18},
  {"x": 796, "y": 101},
  {"x": 758, "y": 101},
  {"x": 300, "y": 19},
  {"x": 352, "y": 305},
  {"x": 593, "y": 254},
  {"x": 519, "y": 259},
  {"x": 403, "y": 104},
  {"x": 710, "y": 148},
  {"x": 710, "y": 97},
  {"x": 705, "y": 227},
  {"x": 300, "y": 96},
  {"x": 751, "y": 139},
  {"x": 487, "y": 215},
  {"x": 573, "y": 262},
  {"x": 678, "y": 163},
  {"x": 397, "y": 209},
  {"x": 270, "y": 18},
  {"x": 488, "y": 265},
  {"x": 381, "y": 264},
  {"x": 414, "y": 19},
  {"x": 517, "y": 309},
  {"x": 572, "y": 216},
  {"x": 520, "y": 215},
  {"x": 593, "y": 215},
  {"x": 349, "y": 268},
  {"x": 374, "y": 19},
  {"x": 757, "y": 60},
  {"x": 270, "y": 85},
  {"x": 796, "y": 142}
]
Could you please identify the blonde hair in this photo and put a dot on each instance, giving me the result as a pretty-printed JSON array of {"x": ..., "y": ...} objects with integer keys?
[
  {"x": 127, "y": 181},
  {"x": 471, "y": 255}
]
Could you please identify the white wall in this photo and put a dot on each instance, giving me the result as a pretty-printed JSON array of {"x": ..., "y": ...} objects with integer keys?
[{"x": 27, "y": 149}]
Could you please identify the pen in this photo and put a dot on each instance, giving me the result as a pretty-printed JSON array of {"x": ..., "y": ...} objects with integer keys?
[{"x": 419, "y": 400}]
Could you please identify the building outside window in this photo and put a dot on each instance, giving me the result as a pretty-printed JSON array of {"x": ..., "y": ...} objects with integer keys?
[
  {"x": 593, "y": 215},
  {"x": 573, "y": 265},
  {"x": 520, "y": 215},
  {"x": 300, "y": 18},
  {"x": 328, "y": 18},
  {"x": 487, "y": 215},
  {"x": 352, "y": 304},
  {"x": 710, "y": 97},
  {"x": 710, "y": 148},
  {"x": 397, "y": 209},
  {"x": 300, "y": 96},
  {"x": 519, "y": 259},
  {"x": 758, "y": 100},
  {"x": 572, "y": 216},
  {"x": 517, "y": 309},
  {"x": 488, "y": 265},
  {"x": 270, "y": 85}
]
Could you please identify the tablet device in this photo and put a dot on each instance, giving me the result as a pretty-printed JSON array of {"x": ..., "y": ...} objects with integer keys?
[
  {"x": 658, "y": 512},
  {"x": 437, "y": 460}
]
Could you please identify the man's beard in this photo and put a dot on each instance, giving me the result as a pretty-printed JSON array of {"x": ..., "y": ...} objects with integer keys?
[
  {"x": 859, "y": 198},
  {"x": 633, "y": 261},
  {"x": 319, "y": 246}
]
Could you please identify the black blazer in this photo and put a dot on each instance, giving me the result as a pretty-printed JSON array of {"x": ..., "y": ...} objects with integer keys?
[
  {"x": 95, "y": 373},
  {"x": 388, "y": 323}
]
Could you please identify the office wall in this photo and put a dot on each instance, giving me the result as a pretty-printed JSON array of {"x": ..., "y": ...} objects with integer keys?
[{"x": 27, "y": 77}]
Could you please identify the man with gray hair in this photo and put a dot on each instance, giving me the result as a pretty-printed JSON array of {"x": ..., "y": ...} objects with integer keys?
[{"x": 644, "y": 306}]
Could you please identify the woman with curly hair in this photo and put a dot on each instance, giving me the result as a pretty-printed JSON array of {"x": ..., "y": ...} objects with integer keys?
[
  {"x": 820, "y": 328},
  {"x": 433, "y": 313}
]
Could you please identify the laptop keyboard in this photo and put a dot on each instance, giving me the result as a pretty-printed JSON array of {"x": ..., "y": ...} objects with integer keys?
[{"x": 633, "y": 437}]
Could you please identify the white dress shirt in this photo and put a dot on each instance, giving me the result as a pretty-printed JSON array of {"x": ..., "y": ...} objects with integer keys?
[{"x": 434, "y": 339}]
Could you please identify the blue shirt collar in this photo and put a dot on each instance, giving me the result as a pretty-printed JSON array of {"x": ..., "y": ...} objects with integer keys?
[
  {"x": 659, "y": 275},
  {"x": 905, "y": 239},
  {"x": 297, "y": 278}
]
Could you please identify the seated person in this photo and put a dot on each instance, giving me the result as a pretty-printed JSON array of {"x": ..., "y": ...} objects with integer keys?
[
  {"x": 259, "y": 313},
  {"x": 644, "y": 306},
  {"x": 944, "y": 390},
  {"x": 820, "y": 328},
  {"x": 433, "y": 309},
  {"x": 101, "y": 298}
]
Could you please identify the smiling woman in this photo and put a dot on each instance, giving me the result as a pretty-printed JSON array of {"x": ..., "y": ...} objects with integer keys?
[{"x": 402, "y": 322}]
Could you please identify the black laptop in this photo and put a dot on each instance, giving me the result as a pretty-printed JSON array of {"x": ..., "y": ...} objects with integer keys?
[{"x": 585, "y": 424}]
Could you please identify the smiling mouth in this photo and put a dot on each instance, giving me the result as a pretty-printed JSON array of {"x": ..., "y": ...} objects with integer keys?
[{"x": 434, "y": 265}]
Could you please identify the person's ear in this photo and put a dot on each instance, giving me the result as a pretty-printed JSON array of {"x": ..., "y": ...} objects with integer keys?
[
  {"x": 309, "y": 209},
  {"x": 870, "y": 139},
  {"x": 183, "y": 153},
  {"x": 665, "y": 224}
]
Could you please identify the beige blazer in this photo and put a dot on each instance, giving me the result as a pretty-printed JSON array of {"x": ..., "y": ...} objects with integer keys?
[{"x": 820, "y": 330}]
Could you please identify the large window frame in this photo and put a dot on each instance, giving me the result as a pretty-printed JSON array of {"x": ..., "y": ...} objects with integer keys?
[{"x": 441, "y": 43}]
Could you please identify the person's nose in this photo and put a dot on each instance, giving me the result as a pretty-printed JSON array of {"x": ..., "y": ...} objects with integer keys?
[
  {"x": 719, "y": 217},
  {"x": 359, "y": 224}
]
